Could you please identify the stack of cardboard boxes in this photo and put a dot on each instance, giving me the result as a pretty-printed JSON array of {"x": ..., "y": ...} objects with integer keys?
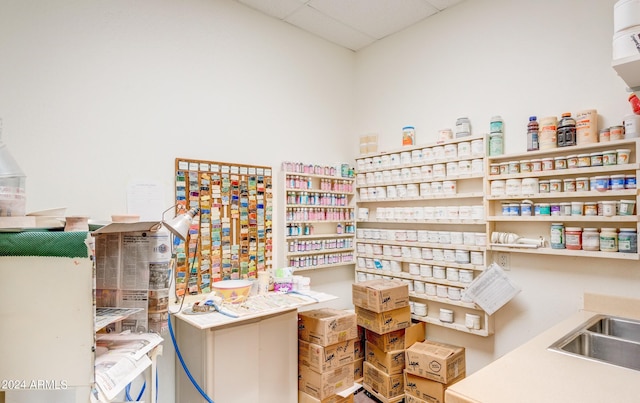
[
  {"x": 382, "y": 308},
  {"x": 327, "y": 340},
  {"x": 430, "y": 368}
]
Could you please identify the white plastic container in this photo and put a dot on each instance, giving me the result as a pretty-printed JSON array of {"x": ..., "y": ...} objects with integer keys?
[
  {"x": 624, "y": 43},
  {"x": 626, "y": 14}
]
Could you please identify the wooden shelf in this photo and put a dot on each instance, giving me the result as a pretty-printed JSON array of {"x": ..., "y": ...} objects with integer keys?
[
  {"x": 565, "y": 218},
  {"x": 432, "y": 280},
  {"x": 472, "y": 195},
  {"x": 422, "y": 244},
  {"x": 307, "y": 175},
  {"x": 319, "y": 236},
  {"x": 589, "y": 171},
  {"x": 410, "y": 181},
  {"x": 581, "y": 149},
  {"x": 628, "y": 69},
  {"x": 569, "y": 195},
  {"x": 455, "y": 326},
  {"x": 568, "y": 252},
  {"x": 430, "y": 221},
  {"x": 467, "y": 266}
]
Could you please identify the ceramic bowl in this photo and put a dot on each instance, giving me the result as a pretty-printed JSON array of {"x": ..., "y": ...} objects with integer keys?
[{"x": 234, "y": 291}]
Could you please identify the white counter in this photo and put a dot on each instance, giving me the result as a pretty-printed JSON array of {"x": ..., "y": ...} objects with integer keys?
[{"x": 532, "y": 374}]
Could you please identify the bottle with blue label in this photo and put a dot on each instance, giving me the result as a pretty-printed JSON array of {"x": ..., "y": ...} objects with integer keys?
[{"x": 496, "y": 136}]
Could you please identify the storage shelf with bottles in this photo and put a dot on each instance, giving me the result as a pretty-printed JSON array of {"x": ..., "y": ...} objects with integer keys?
[
  {"x": 590, "y": 186},
  {"x": 409, "y": 202},
  {"x": 319, "y": 210}
]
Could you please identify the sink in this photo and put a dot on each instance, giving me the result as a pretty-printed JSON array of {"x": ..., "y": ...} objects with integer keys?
[{"x": 606, "y": 339}]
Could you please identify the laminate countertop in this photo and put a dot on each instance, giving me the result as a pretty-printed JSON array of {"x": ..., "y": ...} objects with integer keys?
[{"x": 532, "y": 373}]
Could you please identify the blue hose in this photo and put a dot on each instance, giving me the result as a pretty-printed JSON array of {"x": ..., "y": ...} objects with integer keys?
[{"x": 184, "y": 366}]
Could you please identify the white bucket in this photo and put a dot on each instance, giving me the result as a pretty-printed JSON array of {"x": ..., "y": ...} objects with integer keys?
[
  {"x": 624, "y": 43},
  {"x": 626, "y": 14}
]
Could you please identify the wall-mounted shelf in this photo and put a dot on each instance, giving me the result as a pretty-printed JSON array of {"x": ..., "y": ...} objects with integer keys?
[
  {"x": 460, "y": 209},
  {"x": 628, "y": 69},
  {"x": 306, "y": 196},
  {"x": 539, "y": 225}
]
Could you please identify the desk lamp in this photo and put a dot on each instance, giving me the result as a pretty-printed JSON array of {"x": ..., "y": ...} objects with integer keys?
[{"x": 180, "y": 224}]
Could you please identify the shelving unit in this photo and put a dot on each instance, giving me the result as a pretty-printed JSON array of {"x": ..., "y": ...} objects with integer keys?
[
  {"x": 628, "y": 69},
  {"x": 407, "y": 199},
  {"x": 539, "y": 225},
  {"x": 320, "y": 219}
]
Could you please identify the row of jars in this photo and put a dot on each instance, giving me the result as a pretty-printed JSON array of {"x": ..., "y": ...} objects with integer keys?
[
  {"x": 531, "y": 186},
  {"x": 598, "y": 158},
  {"x": 422, "y": 173},
  {"x": 463, "y": 149},
  {"x": 319, "y": 214},
  {"x": 318, "y": 260},
  {"x": 425, "y": 236},
  {"x": 474, "y": 212},
  {"x": 623, "y": 240},
  {"x": 317, "y": 199},
  {"x": 459, "y": 256},
  {"x": 306, "y": 183},
  {"x": 426, "y": 189},
  {"x": 423, "y": 271},
  {"x": 341, "y": 170},
  {"x": 605, "y": 208},
  {"x": 317, "y": 245}
]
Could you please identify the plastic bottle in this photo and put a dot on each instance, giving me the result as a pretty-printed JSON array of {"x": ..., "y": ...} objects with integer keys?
[
  {"x": 533, "y": 128},
  {"x": 566, "y": 130},
  {"x": 496, "y": 136},
  {"x": 463, "y": 127}
]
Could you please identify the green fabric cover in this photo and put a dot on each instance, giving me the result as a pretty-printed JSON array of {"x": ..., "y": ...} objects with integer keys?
[{"x": 44, "y": 243}]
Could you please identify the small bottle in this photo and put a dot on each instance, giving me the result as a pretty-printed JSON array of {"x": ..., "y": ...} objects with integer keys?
[
  {"x": 566, "y": 131},
  {"x": 533, "y": 128},
  {"x": 463, "y": 127}
]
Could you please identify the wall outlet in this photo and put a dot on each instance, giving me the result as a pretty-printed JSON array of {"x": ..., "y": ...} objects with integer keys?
[{"x": 503, "y": 259}]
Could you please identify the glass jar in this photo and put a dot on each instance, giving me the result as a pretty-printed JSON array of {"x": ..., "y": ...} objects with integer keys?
[{"x": 573, "y": 238}]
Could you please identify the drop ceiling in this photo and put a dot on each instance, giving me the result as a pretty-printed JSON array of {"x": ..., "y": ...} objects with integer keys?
[{"x": 353, "y": 24}]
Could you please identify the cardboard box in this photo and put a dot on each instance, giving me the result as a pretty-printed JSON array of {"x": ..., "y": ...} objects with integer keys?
[
  {"x": 380, "y": 295},
  {"x": 384, "y": 322},
  {"x": 386, "y": 385},
  {"x": 398, "y": 339},
  {"x": 326, "y": 326},
  {"x": 412, "y": 399},
  {"x": 306, "y": 398},
  {"x": 389, "y": 362},
  {"x": 325, "y": 384},
  {"x": 436, "y": 361},
  {"x": 323, "y": 358},
  {"x": 425, "y": 390},
  {"x": 358, "y": 373}
]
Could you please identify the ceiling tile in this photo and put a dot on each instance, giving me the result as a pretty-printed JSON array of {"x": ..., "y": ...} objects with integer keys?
[
  {"x": 375, "y": 18},
  {"x": 313, "y": 21},
  {"x": 275, "y": 8}
]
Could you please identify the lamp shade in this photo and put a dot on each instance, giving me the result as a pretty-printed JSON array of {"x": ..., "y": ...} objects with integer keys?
[{"x": 179, "y": 226}]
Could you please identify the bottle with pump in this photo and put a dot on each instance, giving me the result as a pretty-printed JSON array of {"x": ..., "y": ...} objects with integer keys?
[
  {"x": 13, "y": 199},
  {"x": 533, "y": 128}
]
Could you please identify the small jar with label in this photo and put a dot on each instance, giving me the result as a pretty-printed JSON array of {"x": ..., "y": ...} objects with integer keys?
[
  {"x": 582, "y": 184},
  {"x": 591, "y": 208},
  {"x": 548, "y": 164},
  {"x": 544, "y": 186},
  {"x": 630, "y": 182},
  {"x": 561, "y": 162},
  {"x": 569, "y": 185},
  {"x": 555, "y": 185},
  {"x": 584, "y": 160},
  {"x": 572, "y": 161},
  {"x": 536, "y": 165},
  {"x": 628, "y": 240},
  {"x": 596, "y": 159},
  {"x": 573, "y": 238},
  {"x": 608, "y": 240},
  {"x": 557, "y": 238},
  {"x": 446, "y": 315},
  {"x": 590, "y": 239},
  {"x": 565, "y": 208}
]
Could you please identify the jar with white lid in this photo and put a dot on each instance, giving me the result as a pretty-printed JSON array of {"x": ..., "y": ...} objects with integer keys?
[
  {"x": 446, "y": 315},
  {"x": 608, "y": 240},
  {"x": 590, "y": 239},
  {"x": 628, "y": 240}
]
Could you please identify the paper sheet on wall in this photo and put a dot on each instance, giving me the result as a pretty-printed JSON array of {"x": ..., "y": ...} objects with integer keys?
[{"x": 492, "y": 289}]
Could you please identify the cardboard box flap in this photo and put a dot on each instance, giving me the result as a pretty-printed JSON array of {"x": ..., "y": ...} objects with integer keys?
[{"x": 439, "y": 350}]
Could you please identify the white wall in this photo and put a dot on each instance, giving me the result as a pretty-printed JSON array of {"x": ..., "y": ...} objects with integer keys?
[
  {"x": 98, "y": 94},
  {"x": 514, "y": 58}
]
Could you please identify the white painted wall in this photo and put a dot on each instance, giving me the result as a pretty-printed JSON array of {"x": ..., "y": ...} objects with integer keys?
[
  {"x": 98, "y": 94},
  {"x": 513, "y": 58}
]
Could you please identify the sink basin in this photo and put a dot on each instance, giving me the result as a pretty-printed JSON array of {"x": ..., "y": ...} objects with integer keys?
[{"x": 606, "y": 339}]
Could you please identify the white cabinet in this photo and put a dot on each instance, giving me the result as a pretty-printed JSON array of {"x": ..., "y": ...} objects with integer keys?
[
  {"x": 421, "y": 219},
  {"x": 320, "y": 220},
  {"x": 552, "y": 189}
]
